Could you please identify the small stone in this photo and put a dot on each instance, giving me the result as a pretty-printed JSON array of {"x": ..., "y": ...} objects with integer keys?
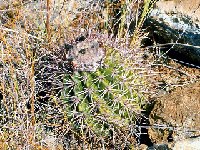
[
  {"x": 159, "y": 147},
  {"x": 188, "y": 144},
  {"x": 143, "y": 147}
]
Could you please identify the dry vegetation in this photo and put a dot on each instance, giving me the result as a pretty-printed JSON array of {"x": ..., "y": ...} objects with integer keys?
[{"x": 32, "y": 29}]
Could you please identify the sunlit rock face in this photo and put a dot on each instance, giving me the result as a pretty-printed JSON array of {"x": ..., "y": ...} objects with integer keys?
[
  {"x": 176, "y": 24},
  {"x": 183, "y": 17},
  {"x": 188, "y": 8}
]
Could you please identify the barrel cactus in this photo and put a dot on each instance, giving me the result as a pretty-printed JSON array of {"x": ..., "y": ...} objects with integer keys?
[{"x": 105, "y": 100}]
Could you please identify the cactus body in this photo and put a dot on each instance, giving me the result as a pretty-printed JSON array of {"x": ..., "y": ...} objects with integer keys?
[{"x": 105, "y": 99}]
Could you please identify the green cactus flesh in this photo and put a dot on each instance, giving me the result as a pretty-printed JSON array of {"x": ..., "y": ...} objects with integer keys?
[{"x": 105, "y": 98}]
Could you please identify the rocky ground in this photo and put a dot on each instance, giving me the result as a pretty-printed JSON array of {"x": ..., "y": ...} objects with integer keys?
[
  {"x": 174, "y": 120},
  {"x": 174, "y": 112}
]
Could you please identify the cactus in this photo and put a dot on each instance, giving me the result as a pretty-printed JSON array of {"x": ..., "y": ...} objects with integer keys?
[{"x": 104, "y": 99}]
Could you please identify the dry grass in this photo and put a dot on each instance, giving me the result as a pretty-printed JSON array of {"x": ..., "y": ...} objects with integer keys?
[{"x": 31, "y": 29}]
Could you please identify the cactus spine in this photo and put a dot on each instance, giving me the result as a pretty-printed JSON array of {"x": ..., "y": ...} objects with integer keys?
[{"x": 106, "y": 98}]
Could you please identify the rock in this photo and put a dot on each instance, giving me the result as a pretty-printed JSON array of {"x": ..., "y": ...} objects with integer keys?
[
  {"x": 142, "y": 147},
  {"x": 188, "y": 144},
  {"x": 159, "y": 147},
  {"x": 173, "y": 22},
  {"x": 175, "y": 28},
  {"x": 176, "y": 115},
  {"x": 185, "y": 7},
  {"x": 52, "y": 142}
]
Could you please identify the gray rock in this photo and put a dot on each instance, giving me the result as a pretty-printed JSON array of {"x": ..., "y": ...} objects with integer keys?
[
  {"x": 177, "y": 30},
  {"x": 159, "y": 147},
  {"x": 188, "y": 144}
]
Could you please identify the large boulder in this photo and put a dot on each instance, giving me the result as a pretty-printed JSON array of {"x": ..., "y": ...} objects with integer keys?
[
  {"x": 175, "y": 27},
  {"x": 176, "y": 115}
]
